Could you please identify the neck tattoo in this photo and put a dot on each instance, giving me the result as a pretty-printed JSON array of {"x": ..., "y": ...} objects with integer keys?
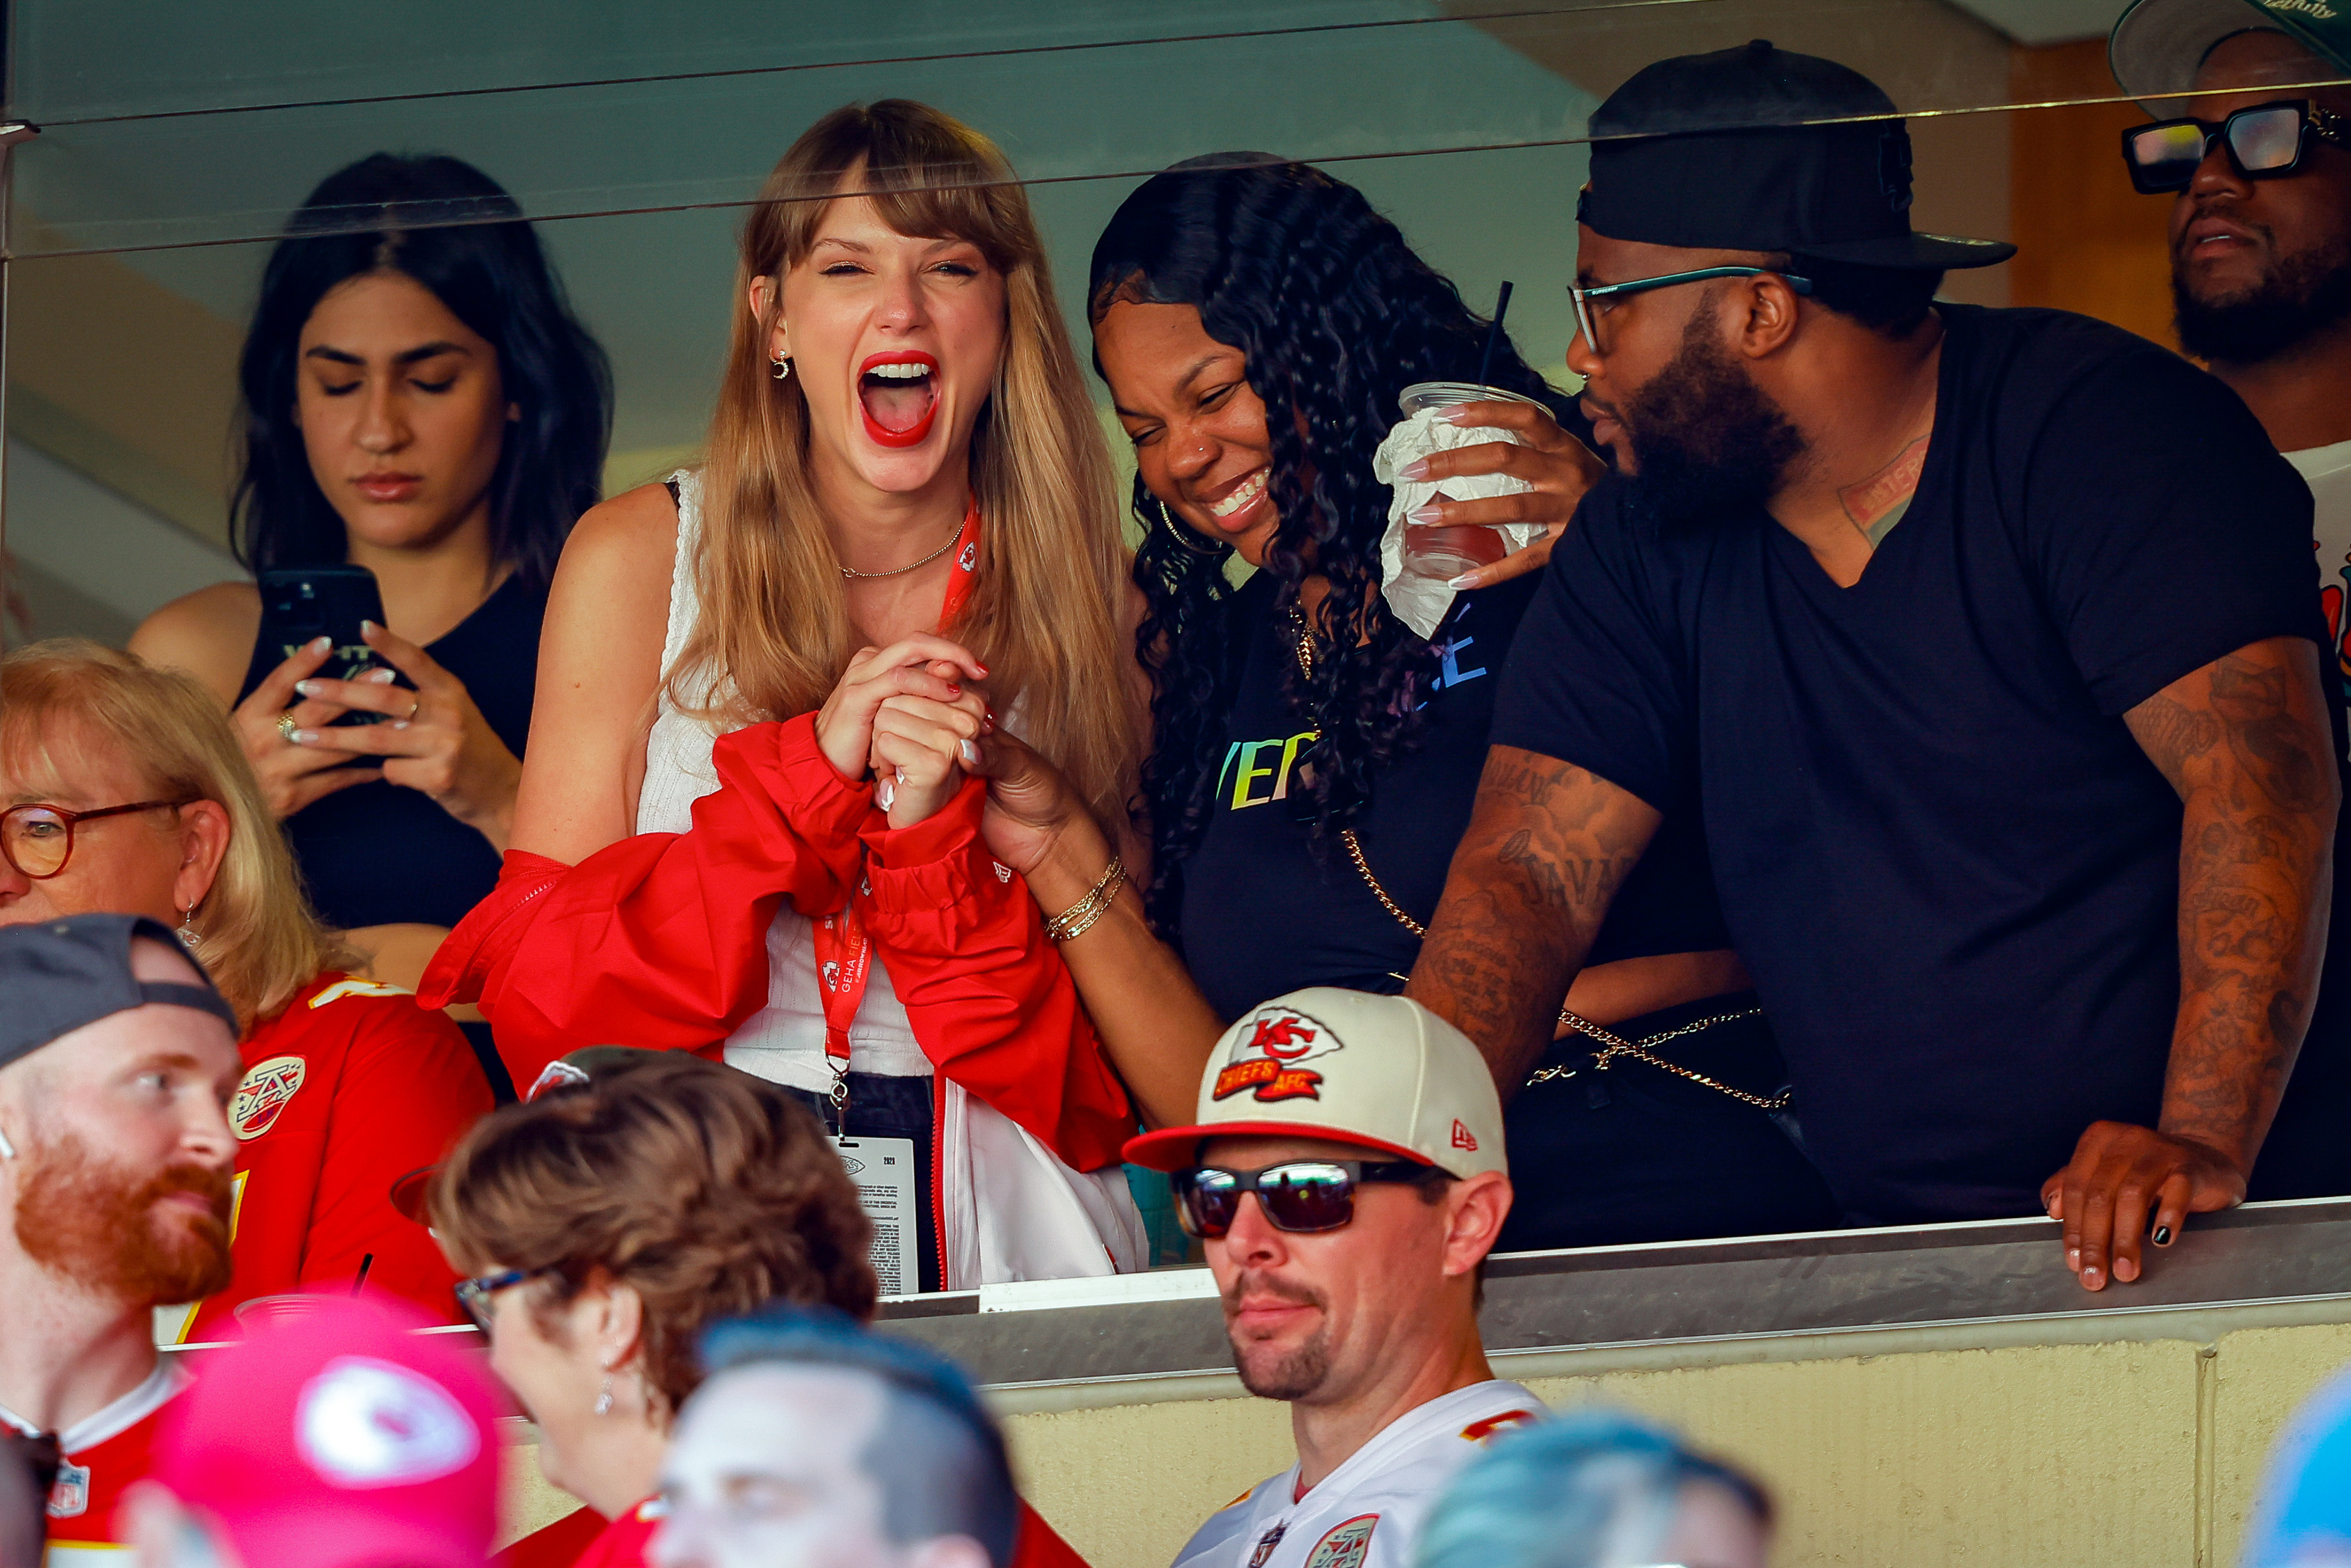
[{"x": 1875, "y": 504}]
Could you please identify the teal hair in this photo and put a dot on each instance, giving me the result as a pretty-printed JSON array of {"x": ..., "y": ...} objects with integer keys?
[{"x": 1590, "y": 1489}]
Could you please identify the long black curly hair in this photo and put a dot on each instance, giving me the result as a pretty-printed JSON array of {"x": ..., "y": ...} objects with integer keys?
[
  {"x": 1335, "y": 315},
  {"x": 451, "y": 227}
]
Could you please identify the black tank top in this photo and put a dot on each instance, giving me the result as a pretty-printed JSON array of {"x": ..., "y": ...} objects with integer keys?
[
  {"x": 1260, "y": 917},
  {"x": 378, "y": 853}
]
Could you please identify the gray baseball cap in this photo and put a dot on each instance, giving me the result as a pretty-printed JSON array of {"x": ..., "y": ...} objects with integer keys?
[
  {"x": 58, "y": 975},
  {"x": 2157, "y": 46}
]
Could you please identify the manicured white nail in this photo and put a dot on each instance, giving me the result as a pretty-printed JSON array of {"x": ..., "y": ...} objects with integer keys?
[
  {"x": 1416, "y": 469},
  {"x": 320, "y": 645},
  {"x": 399, "y": 724},
  {"x": 303, "y": 737},
  {"x": 1453, "y": 415},
  {"x": 970, "y": 753},
  {"x": 366, "y": 627},
  {"x": 886, "y": 793},
  {"x": 1466, "y": 580},
  {"x": 382, "y": 677},
  {"x": 307, "y": 688}
]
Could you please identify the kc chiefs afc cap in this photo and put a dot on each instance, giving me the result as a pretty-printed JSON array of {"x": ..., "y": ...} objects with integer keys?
[{"x": 1350, "y": 1067}]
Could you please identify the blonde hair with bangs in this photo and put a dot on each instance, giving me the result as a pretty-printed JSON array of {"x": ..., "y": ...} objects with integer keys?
[
  {"x": 1044, "y": 615},
  {"x": 259, "y": 940}
]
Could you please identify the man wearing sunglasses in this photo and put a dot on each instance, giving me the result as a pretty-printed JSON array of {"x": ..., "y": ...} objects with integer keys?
[
  {"x": 117, "y": 1062},
  {"x": 2258, "y": 168},
  {"x": 1346, "y": 1175},
  {"x": 1984, "y": 645}
]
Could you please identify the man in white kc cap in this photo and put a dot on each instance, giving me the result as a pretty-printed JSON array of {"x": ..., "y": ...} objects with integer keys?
[{"x": 1347, "y": 1175}]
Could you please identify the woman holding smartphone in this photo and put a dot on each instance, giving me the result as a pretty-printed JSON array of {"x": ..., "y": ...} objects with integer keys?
[
  {"x": 418, "y": 401},
  {"x": 1313, "y": 760},
  {"x": 724, "y": 842}
]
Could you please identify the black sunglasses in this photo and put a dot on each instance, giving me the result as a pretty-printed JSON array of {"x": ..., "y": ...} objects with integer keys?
[
  {"x": 1297, "y": 1195},
  {"x": 2262, "y": 143}
]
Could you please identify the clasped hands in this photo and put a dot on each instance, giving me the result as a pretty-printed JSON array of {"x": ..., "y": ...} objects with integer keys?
[
  {"x": 2119, "y": 1177},
  {"x": 910, "y": 716}
]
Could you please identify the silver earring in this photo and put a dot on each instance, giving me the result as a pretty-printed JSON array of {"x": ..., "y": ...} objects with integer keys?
[
  {"x": 187, "y": 934},
  {"x": 604, "y": 1400},
  {"x": 783, "y": 363}
]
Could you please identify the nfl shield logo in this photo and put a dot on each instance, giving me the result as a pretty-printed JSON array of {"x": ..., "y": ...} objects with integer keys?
[
  {"x": 1346, "y": 1546},
  {"x": 69, "y": 1494}
]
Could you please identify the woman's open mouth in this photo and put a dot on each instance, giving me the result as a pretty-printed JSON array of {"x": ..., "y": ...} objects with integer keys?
[
  {"x": 1234, "y": 509},
  {"x": 899, "y": 395}
]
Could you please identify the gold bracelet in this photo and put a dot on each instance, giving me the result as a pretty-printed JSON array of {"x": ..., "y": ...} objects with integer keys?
[{"x": 1073, "y": 921}]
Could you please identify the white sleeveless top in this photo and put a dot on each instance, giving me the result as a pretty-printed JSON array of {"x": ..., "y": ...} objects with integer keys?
[{"x": 783, "y": 1042}]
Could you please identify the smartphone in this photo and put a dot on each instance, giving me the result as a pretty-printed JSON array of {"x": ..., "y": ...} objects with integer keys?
[{"x": 299, "y": 604}]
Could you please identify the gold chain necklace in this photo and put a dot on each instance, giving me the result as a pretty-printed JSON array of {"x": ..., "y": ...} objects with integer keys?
[
  {"x": 901, "y": 571},
  {"x": 1612, "y": 1046}
]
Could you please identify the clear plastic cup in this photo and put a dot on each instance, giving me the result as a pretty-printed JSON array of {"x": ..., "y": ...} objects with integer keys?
[
  {"x": 1444, "y": 553},
  {"x": 263, "y": 1310}
]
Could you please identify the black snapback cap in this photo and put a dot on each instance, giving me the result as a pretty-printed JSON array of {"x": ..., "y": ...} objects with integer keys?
[
  {"x": 58, "y": 975},
  {"x": 1726, "y": 152}
]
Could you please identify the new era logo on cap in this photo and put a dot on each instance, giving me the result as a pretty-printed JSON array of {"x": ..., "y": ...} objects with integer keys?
[{"x": 1347, "y": 1067}]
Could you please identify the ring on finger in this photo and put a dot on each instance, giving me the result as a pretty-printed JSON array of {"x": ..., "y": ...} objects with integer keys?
[{"x": 286, "y": 725}]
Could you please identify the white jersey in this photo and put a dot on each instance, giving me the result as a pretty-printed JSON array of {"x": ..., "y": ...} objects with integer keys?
[
  {"x": 1367, "y": 1512},
  {"x": 2327, "y": 471}
]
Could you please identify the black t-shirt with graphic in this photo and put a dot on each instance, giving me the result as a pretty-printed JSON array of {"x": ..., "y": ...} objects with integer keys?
[
  {"x": 1260, "y": 917},
  {"x": 1947, "y": 864}
]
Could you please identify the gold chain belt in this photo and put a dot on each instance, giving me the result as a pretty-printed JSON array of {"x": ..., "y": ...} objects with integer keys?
[{"x": 1611, "y": 1046}]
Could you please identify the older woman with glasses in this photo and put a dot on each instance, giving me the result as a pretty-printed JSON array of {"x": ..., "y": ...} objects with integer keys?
[
  {"x": 640, "y": 1198},
  {"x": 130, "y": 793}
]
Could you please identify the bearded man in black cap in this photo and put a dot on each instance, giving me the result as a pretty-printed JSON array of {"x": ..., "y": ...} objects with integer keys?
[
  {"x": 1985, "y": 642},
  {"x": 117, "y": 1061}
]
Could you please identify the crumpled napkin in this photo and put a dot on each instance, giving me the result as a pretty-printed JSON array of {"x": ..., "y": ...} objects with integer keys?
[{"x": 1421, "y": 602}]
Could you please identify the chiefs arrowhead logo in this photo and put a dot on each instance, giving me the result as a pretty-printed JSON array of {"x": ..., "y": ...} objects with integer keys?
[
  {"x": 1268, "y": 1045},
  {"x": 263, "y": 1093}
]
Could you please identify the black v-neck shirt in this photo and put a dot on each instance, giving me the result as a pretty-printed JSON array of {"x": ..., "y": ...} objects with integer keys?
[{"x": 1950, "y": 869}]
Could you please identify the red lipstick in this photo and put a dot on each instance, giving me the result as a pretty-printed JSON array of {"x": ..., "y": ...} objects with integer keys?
[{"x": 875, "y": 384}]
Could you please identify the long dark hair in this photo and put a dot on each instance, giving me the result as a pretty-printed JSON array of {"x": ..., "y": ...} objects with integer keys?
[
  {"x": 1336, "y": 315},
  {"x": 452, "y": 229}
]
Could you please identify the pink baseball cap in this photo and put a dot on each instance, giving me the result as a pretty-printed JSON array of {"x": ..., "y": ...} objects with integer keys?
[{"x": 341, "y": 1439}]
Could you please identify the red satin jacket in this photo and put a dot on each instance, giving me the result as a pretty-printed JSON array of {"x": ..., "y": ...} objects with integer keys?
[{"x": 660, "y": 940}]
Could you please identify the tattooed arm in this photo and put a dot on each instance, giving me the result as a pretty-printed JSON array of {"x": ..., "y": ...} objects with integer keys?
[
  {"x": 2245, "y": 742},
  {"x": 1547, "y": 846}
]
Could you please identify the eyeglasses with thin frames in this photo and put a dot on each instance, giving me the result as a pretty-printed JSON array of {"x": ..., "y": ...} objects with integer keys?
[
  {"x": 38, "y": 839},
  {"x": 474, "y": 1294},
  {"x": 1593, "y": 303}
]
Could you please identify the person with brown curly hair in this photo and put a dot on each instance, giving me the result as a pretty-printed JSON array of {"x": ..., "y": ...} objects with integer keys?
[
  {"x": 637, "y": 1199},
  {"x": 605, "y": 1224}
]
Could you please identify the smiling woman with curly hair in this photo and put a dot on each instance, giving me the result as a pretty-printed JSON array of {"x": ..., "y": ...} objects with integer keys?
[{"x": 1315, "y": 759}]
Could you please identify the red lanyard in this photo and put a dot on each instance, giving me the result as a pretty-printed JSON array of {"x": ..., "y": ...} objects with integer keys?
[{"x": 844, "y": 953}]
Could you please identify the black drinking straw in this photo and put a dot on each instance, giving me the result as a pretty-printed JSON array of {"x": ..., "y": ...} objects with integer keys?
[
  {"x": 365, "y": 1264},
  {"x": 1493, "y": 334}
]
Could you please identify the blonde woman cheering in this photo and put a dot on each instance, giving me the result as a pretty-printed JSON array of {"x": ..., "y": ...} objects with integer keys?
[{"x": 744, "y": 824}]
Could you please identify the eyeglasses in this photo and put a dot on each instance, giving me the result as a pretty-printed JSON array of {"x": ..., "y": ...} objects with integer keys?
[
  {"x": 2263, "y": 142},
  {"x": 474, "y": 1294},
  {"x": 38, "y": 839},
  {"x": 1592, "y": 304},
  {"x": 1297, "y": 1196}
]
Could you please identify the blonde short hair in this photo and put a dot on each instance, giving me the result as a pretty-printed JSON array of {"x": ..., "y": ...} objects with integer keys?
[{"x": 260, "y": 940}]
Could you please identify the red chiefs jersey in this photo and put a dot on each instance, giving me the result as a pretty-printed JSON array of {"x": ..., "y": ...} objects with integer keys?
[
  {"x": 348, "y": 1088},
  {"x": 100, "y": 1456}
]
